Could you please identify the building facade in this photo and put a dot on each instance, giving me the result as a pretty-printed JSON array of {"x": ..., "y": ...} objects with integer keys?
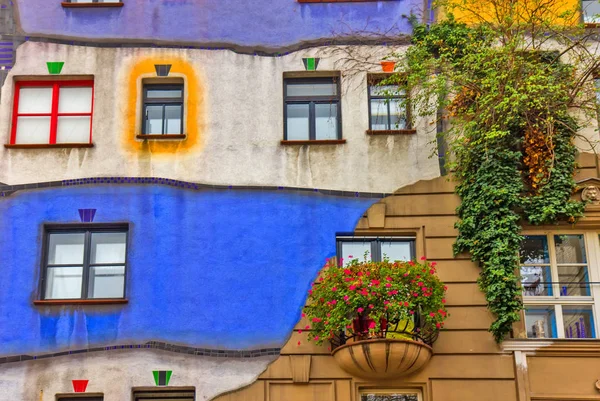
[{"x": 174, "y": 174}]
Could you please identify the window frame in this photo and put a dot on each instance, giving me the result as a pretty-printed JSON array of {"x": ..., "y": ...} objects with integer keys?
[
  {"x": 164, "y": 102},
  {"x": 591, "y": 241},
  {"x": 312, "y": 100},
  {"x": 54, "y": 114},
  {"x": 166, "y": 391},
  {"x": 375, "y": 243},
  {"x": 91, "y": 3},
  {"x": 405, "y": 391},
  {"x": 80, "y": 397},
  {"x": 374, "y": 80},
  {"x": 88, "y": 229}
]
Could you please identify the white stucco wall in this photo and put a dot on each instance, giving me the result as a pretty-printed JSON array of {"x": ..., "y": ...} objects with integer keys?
[
  {"x": 240, "y": 125},
  {"x": 115, "y": 373}
]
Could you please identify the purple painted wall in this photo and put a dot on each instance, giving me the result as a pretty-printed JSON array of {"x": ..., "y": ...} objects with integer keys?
[{"x": 244, "y": 23}]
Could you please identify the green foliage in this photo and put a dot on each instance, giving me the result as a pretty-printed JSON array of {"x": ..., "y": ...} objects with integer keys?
[
  {"x": 511, "y": 137},
  {"x": 389, "y": 290}
]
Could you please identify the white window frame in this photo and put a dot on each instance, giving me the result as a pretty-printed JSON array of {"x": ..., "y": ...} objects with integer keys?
[{"x": 591, "y": 240}]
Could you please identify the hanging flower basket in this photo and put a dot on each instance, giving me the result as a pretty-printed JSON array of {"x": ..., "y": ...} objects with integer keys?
[{"x": 380, "y": 317}]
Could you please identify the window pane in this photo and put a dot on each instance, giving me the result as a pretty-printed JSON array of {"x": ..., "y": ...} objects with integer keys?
[
  {"x": 108, "y": 248},
  {"x": 591, "y": 11},
  {"x": 536, "y": 281},
  {"x": 65, "y": 249},
  {"x": 397, "y": 250},
  {"x": 570, "y": 249},
  {"x": 386, "y": 90},
  {"x": 389, "y": 397},
  {"x": 579, "y": 321},
  {"x": 398, "y": 114},
  {"x": 356, "y": 250},
  {"x": 35, "y": 100},
  {"x": 75, "y": 100},
  {"x": 534, "y": 249},
  {"x": 540, "y": 322},
  {"x": 154, "y": 119},
  {"x": 312, "y": 89},
  {"x": 326, "y": 121},
  {"x": 106, "y": 282},
  {"x": 173, "y": 117},
  {"x": 33, "y": 130},
  {"x": 297, "y": 121},
  {"x": 73, "y": 130},
  {"x": 164, "y": 93},
  {"x": 63, "y": 282},
  {"x": 574, "y": 281},
  {"x": 379, "y": 114}
]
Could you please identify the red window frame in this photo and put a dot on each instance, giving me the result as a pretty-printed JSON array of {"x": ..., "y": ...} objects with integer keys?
[{"x": 54, "y": 114}]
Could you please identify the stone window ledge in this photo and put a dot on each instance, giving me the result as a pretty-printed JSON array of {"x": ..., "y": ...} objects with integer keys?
[
  {"x": 315, "y": 142},
  {"x": 90, "y": 5},
  {"x": 47, "y": 145}
]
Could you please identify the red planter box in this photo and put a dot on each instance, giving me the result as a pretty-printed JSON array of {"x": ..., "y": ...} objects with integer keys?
[{"x": 79, "y": 386}]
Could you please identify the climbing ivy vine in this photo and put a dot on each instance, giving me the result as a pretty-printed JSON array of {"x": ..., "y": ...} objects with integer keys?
[{"x": 508, "y": 83}]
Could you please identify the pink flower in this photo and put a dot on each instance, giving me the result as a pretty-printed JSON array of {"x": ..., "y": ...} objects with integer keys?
[
  {"x": 375, "y": 282},
  {"x": 316, "y": 320},
  {"x": 300, "y": 331},
  {"x": 371, "y": 306},
  {"x": 389, "y": 278},
  {"x": 431, "y": 271},
  {"x": 347, "y": 271},
  {"x": 316, "y": 338},
  {"x": 432, "y": 314},
  {"x": 334, "y": 289},
  {"x": 386, "y": 302},
  {"x": 304, "y": 315},
  {"x": 298, "y": 343},
  {"x": 372, "y": 325},
  {"x": 329, "y": 315},
  {"x": 360, "y": 310},
  {"x": 364, "y": 292},
  {"x": 352, "y": 287},
  {"x": 350, "y": 256},
  {"x": 412, "y": 312},
  {"x": 310, "y": 292},
  {"x": 368, "y": 273},
  {"x": 438, "y": 325},
  {"x": 307, "y": 328},
  {"x": 423, "y": 258},
  {"x": 359, "y": 274},
  {"x": 346, "y": 297},
  {"x": 388, "y": 285},
  {"x": 333, "y": 302},
  {"x": 406, "y": 304},
  {"x": 443, "y": 301},
  {"x": 433, "y": 264},
  {"x": 405, "y": 274}
]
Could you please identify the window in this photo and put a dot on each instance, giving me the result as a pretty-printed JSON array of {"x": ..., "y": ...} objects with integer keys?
[
  {"x": 312, "y": 109},
  {"x": 374, "y": 248},
  {"x": 390, "y": 395},
  {"x": 52, "y": 112},
  {"x": 92, "y": 1},
  {"x": 163, "y": 109},
  {"x": 79, "y": 397},
  {"x": 591, "y": 11},
  {"x": 387, "y": 105},
  {"x": 557, "y": 288},
  {"x": 85, "y": 262},
  {"x": 166, "y": 394}
]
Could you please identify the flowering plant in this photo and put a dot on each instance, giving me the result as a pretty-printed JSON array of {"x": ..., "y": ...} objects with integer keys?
[{"x": 378, "y": 293}]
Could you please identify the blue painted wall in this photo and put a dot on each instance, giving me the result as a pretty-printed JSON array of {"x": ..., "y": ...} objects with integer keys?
[
  {"x": 220, "y": 269},
  {"x": 270, "y": 23}
]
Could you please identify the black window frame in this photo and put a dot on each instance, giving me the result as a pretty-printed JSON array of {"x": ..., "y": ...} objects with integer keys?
[
  {"x": 375, "y": 80},
  {"x": 79, "y": 397},
  {"x": 88, "y": 229},
  {"x": 376, "y": 255},
  {"x": 92, "y": 2},
  {"x": 164, "y": 102},
  {"x": 312, "y": 100},
  {"x": 148, "y": 393}
]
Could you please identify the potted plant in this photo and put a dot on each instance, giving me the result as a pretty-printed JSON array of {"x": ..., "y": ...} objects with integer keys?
[
  {"x": 397, "y": 308},
  {"x": 388, "y": 65}
]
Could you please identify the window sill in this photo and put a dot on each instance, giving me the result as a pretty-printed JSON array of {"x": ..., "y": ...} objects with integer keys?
[
  {"x": 592, "y": 24},
  {"x": 90, "y": 5},
  {"x": 105, "y": 301},
  {"x": 338, "y": 1},
  {"x": 165, "y": 137},
  {"x": 47, "y": 145},
  {"x": 315, "y": 142},
  {"x": 392, "y": 132},
  {"x": 552, "y": 345}
]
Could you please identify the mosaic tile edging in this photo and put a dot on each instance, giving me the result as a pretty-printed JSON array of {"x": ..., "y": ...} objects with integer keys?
[
  {"x": 181, "y": 349},
  {"x": 6, "y": 190}
]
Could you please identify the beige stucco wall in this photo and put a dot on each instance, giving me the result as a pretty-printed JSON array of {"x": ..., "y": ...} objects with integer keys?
[
  {"x": 238, "y": 116},
  {"x": 116, "y": 372}
]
